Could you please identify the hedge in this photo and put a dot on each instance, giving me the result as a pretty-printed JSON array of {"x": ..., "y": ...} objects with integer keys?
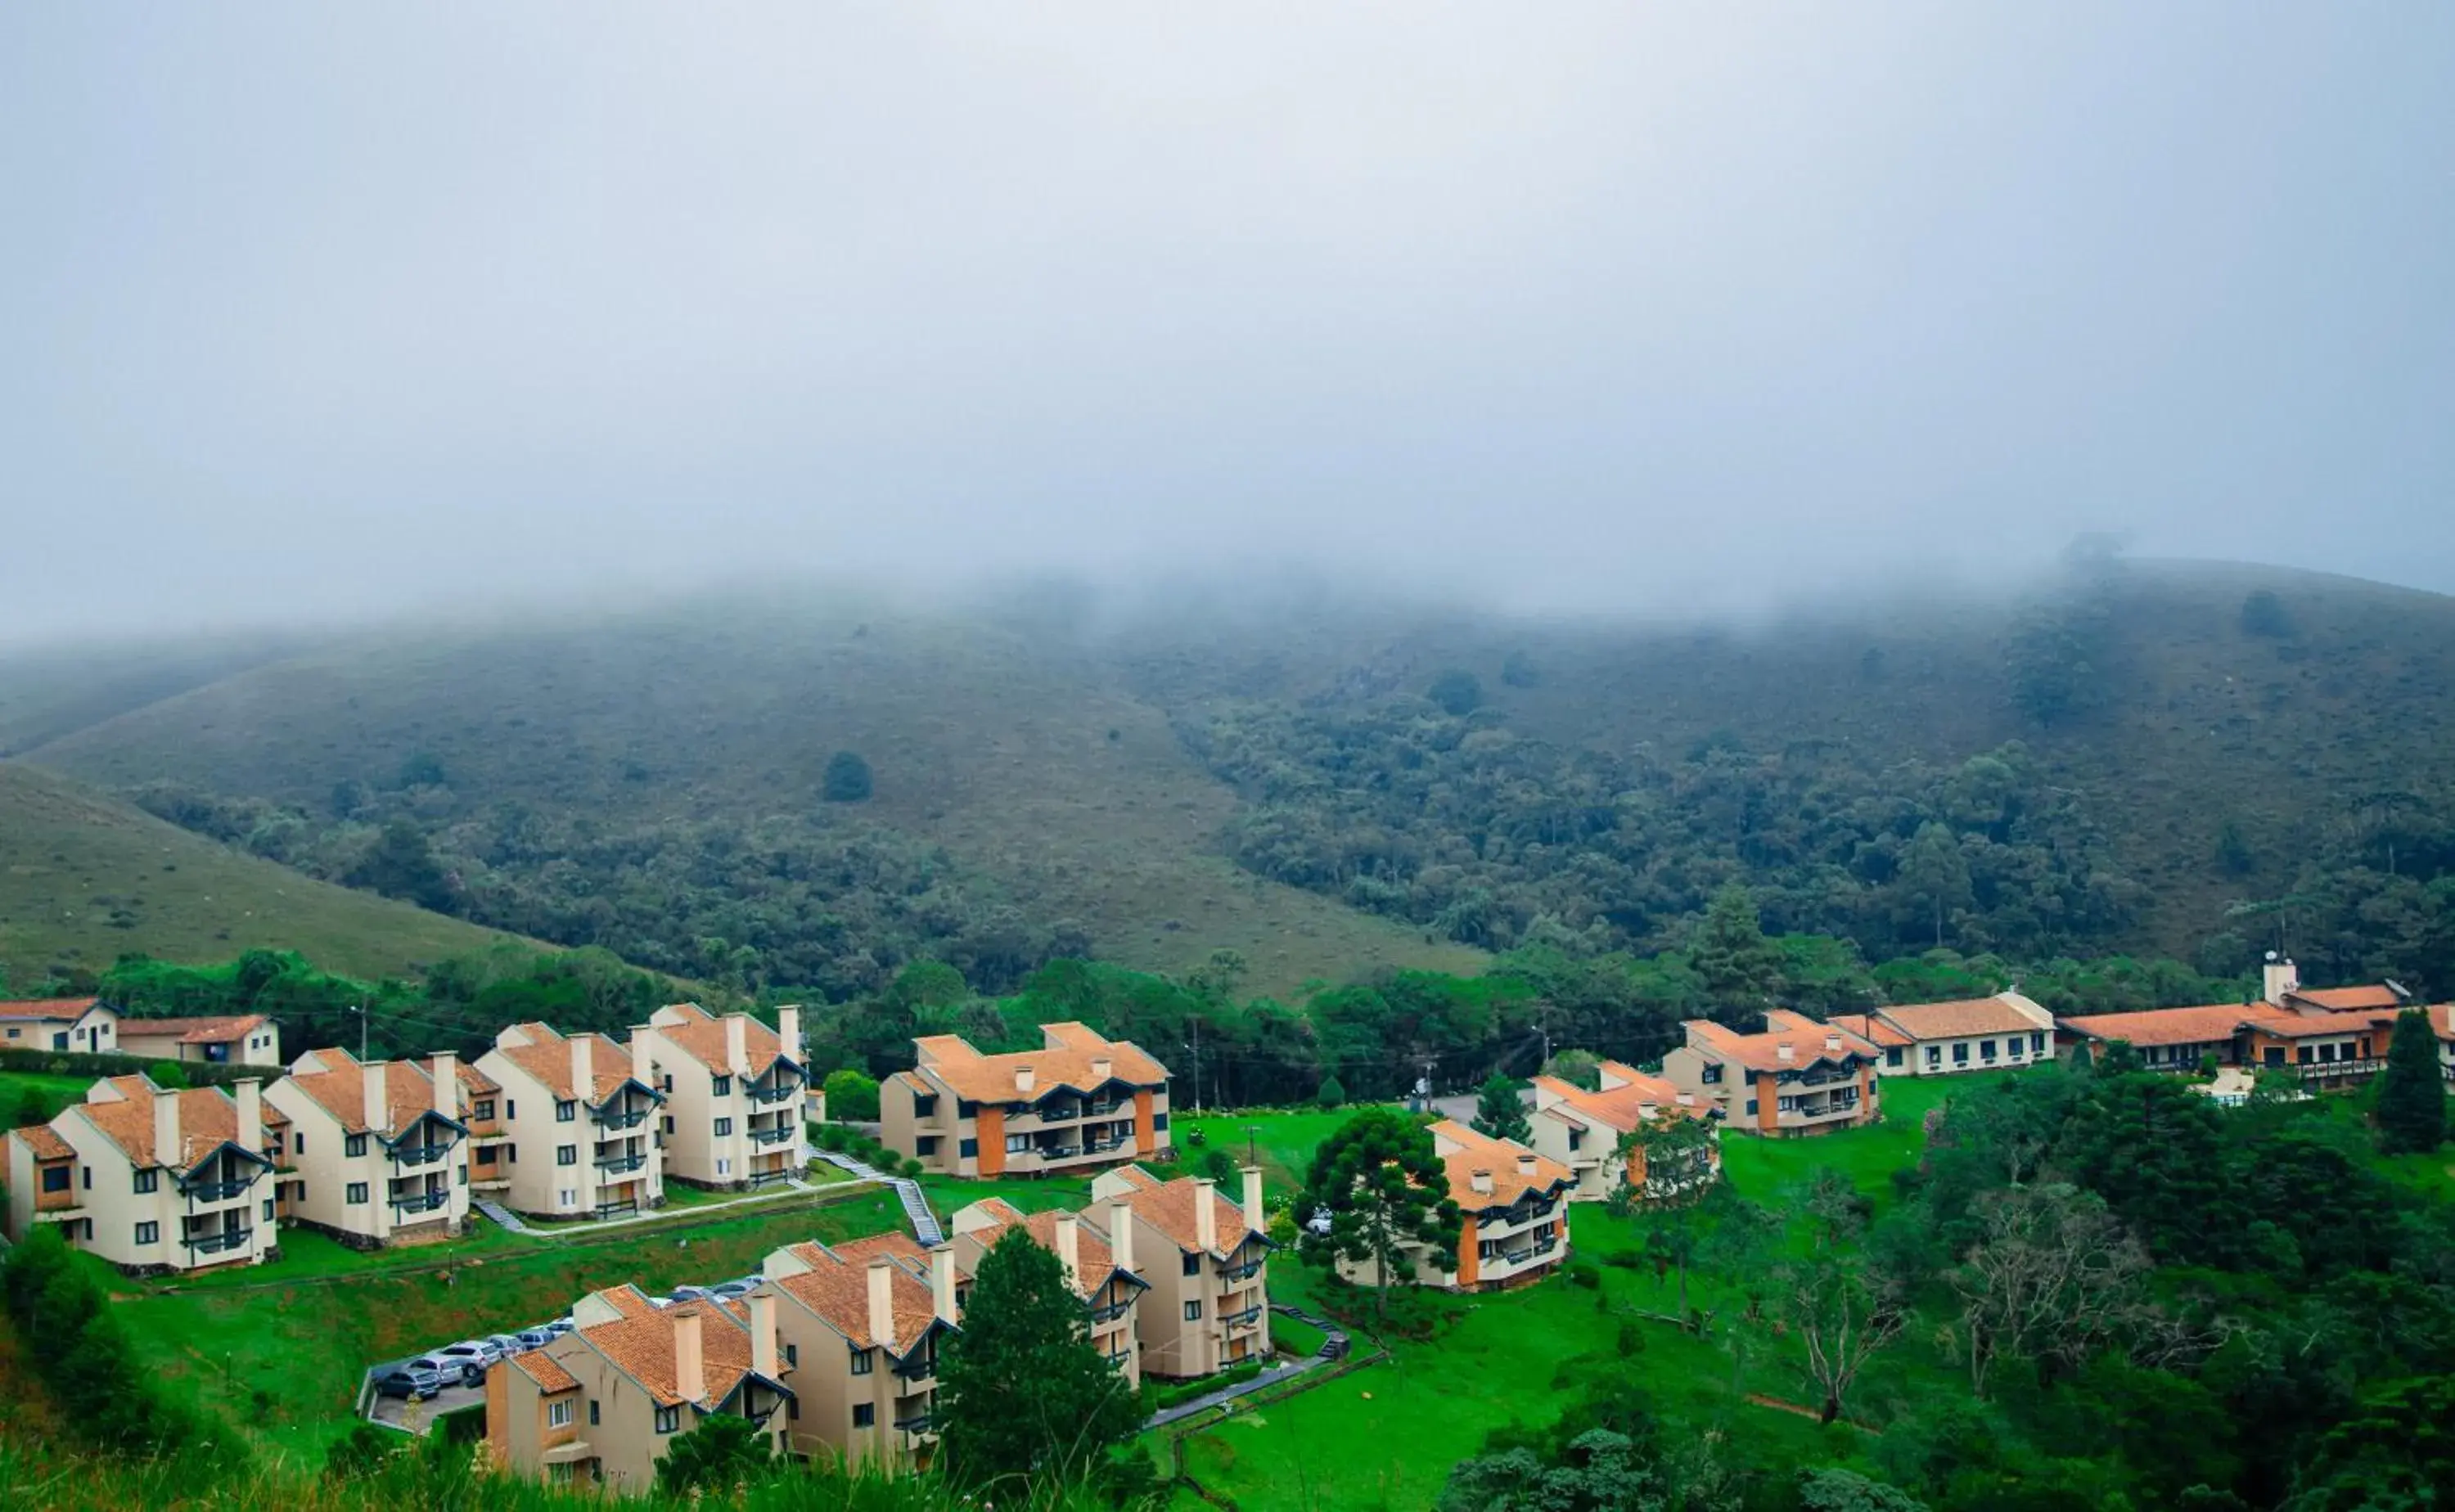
[{"x": 69, "y": 1063}]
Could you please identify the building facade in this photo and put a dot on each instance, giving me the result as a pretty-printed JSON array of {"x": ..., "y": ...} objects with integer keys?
[
  {"x": 1111, "y": 1291},
  {"x": 379, "y": 1150},
  {"x": 1797, "y": 1077},
  {"x": 1945, "y": 1038},
  {"x": 1203, "y": 1259},
  {"x": 1513, "y": 1207},
  {"x": 240, "y": 1039},
  {"x": 860, "y": 1325},
  {"x": 1581, "y": 1131},
  {"x": 63, "y": 1025},
  {"x": 577, "y": 1121},
  {"x": 152, "y": 1180},
  {"x": 1079, "y": 1102},
  {"x": 734, "y": 1095}
]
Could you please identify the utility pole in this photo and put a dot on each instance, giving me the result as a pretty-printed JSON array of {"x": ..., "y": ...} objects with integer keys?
[
  {"x": 360, "y": 1009},
  {"x": 1253, "y": 1146},
  {"x": 1193, "y": 1047}
]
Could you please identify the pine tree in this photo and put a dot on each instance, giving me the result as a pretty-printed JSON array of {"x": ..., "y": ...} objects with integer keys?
[
  {"x": 1386, "y": 1191},
  {"x": 1021, "y": 1394},
  {"x": 2412, "y": 1091},
  {"x": 1740, "y": 968},
  {"x": 1500, "y": 1112},
  {"x": 1333, "y": 1092}
]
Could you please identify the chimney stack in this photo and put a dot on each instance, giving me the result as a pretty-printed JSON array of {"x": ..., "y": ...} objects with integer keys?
[
  {"x": 643, "y": 1066},
  {"x": 1526, "y": 1162},
  {"x": 1101, "y": 1068},
  {"x": 737, "y": 1043},
  {"x": 1481, "y": 1181},
  {"x": 1121, "y": 1235},
  {"x": 583, "y": 1069},
  {"x": 447, "y": 1084},
  {"x": 1784, "y": 1054},
  {"x": 375, "y": 1088},
  {"x": 1206, "y": 1214},
  {"x": 941, "y": 1282},
  {"x": 165, "y": 1131},
  {"x": 250, "y": 1115},
  {"x": 763, "y": 1332},
  {"x": 1070, "y": 1249},
  {"x": 690, "y": 1366},
  {"x": 1832, "y": 1042},
  {"x": 1256, "y": 1220},
  {"x": 882, "y": 1302},
  {"x": 1022, "y": 1078},
  {"x": 2279, "y": 976},
  {"x": 788, "y": 1031}
]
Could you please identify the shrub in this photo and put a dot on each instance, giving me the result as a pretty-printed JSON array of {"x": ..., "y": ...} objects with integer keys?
[
  {"x": 1583, "y": 1273},
  {"x": 912, "y": 1170},
  {"x": 850, "y": 1095},
  {"x": 1332, "y": 1092},
  {"x": 848, "y": 779},
  {"x": 168, "y": 1075}
]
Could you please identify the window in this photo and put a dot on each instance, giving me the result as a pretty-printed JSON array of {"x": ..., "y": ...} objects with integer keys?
[
  {"x": 14, "y": 1033},
  {"x": 355, "y": 1144},
  {"x": 1712, "y": 1074},
  {"x": 55, "y": 1178},
  {"x": 1018, "y": 1144},
  {"x": 1893, "y": 1057},
  {"x": 1193, "y": 1311},
  {"x": 722, "y": 1087},
  {"x": 482, "y": 1110},
  {"x": 511, "y": 1155},
  {"x": 861, "y": 1361},
  {"x": 566, "y": 1155},
  {"x": 464, "y": 1176},
  {"x": 2037, "y": 1044},
  {"x": 669, "y": 1420},
  {"x": 967, "y": 1108},
  {"x": 486, "y": 1155},
  {"x": 592, "y": 1415},
  {"x": 1986, "y": 1049},
  {"x": 1960, "y": 1052},
  {"x": 1193, "y": 1264},
  {"x": 924, "y": 1105},
  {"x": 2015, "y": 1045},
  {"x": 357, "y": 1192},
  {"x": 791, "y": 1354},
  {"x": 1933, "y": 1057},
  {"x": 148, "y": 1233},
  {"x": 1576, "y": 1139},
  {"x": 147, "y": 1180},
  {"x": 925, "y": 1145},
  {"x": 864, "y": 1414},
  {"x": 565, "y": 1110},
  {"x": 59, "y": 1041},
  {"x": 792, "y": 1409},
  {"x": 510, "y": 1107},
  {"x": 1751, "y": 1105},
  {"x": 669, "y": 1123},
  {"x": 268, "y": 1210},
  {"x": 2327, "y": 1052},
  {"x": 723, "y": 1128},
  {"x": 567, "y": 1197},
  {"x": 968, "y": 1148},
  {"x": 2302, "y": 1054},
  {"x": 723, "y": 1167},
  {"x": 1159, "y": 1120},
  {"x": 558, "y": 1414}
]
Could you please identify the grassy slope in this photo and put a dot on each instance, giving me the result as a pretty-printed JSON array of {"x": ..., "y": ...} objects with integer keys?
[
  {"x": 70, "y": 857},
  {"x": 1025, "y": 766}
]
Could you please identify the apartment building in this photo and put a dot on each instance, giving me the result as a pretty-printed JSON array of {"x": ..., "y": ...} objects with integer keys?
[
  {"x": 379, "y": 1148},
  {"x": 151, "y": 1180},
  {"x": 1514, "y": 1207},
  {"x": 236, "y": 1040},
  {"x": 575, "y": 1135},
  {"x": 1944, "y": 1039},
  {"x": 1082, "y": 1101},
  {"x": 734, "y": 1095},
  {"x": 1581, "y": 1131},
  {"x": 860, "y": 1325},
  {"x": 73, "y": 1025},
  {"x": 600, "y": 1405},
  {"x": 1203, "y": 1259},
  {"x": 1797, "y": 1077},
  {"x": 1103, "y": 1278}
]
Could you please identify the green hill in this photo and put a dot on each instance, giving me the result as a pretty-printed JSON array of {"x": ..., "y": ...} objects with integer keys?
[{"x": 85, "y": 879}]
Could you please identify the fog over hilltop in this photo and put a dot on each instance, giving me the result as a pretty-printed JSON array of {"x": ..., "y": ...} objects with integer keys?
[{"x": 321, "y": 314}]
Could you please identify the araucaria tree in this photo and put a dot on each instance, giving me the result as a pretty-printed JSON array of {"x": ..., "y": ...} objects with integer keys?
[
  {"x": 1385, "y": 1192},
  {"x": 1022, "y": 1397},
  {"x": 2412, "y": 1091},
  {"x": 1500, "y": 1112}
]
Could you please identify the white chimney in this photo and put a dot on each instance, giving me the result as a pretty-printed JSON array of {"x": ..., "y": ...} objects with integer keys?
[
  {"x": 762, "y": 1334},
  {"x": 1526, "y": 1163},
  {"x": 1256, "y": 1220},
  {"x": 882, "y": 1302},
  {"x": 1101, "y": 1068},
  {"x": 941, "y": 1282},
  {"x": 1069, "y": 1249},
  {"x": 1832, "y": 1042},
  {"x": 690, "y": 1366},
  {"x": 1022, "y": 1078},
  {"x": 1121, "y": 1235},
  {"x": 1206, "y": 1214},
  {"x": 737, "y": 1043},
  {"x": 1784, "y": 1054},
  {"x": 643, "y": 1066},
  {"x": 165, "y": 1131},
  {"x": 1481, "y": 1181},
  {"x": 250, "y": 1115},
  {"x": 374, "y": 1089},
  {"x": 1687, "y": 1099},
  {"x": 2279, "y": 976},
  {"x": 788, "y": 1030},
  {"x": 447, "y": 1084},
  {"x": 583, "y": 1069}
]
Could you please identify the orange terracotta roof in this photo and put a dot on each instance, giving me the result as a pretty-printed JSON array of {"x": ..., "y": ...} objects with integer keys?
[
  {"x": 472, "y": 1079},
  {"x": 835, "y": 1287},
  {"x": 1168, "y": 1207},
  {"x": 1063, "y": 1062},
  {"x": 207, "y": 1120},
  {"x": 409, "y": 1090},
  {"x": 1809, "y": 1042},
  {"x": 547, "y": 1057},
  {"x": 66, "y": 1009},
  {"x": 45, "y": 1143},
  {"x": 2208, "y": 1023},
  {"x": 193, "y": 1030},
  {"x": 541, "y": 1367},
  {"x": 642, "y": 1347},
  {"x": 1091, "y": 1253},
  {"x": 702, "y": 1037},
  {"x": 2442, "y": 1020},
  {"x": 897, "y": 1246},
  {"x": 1874, "y": 1030},
  {"x": 1503, "y": 1160},
  {"x": 2343, "y": 999},
  {"x": 1959, "y": 1019},
  {"x": 2319, "y": 1024},
  {"x": 1622, "y": 1107}
]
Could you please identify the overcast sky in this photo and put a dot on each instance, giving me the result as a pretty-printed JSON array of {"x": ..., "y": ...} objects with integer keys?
[{"x": 333, "y": 308}]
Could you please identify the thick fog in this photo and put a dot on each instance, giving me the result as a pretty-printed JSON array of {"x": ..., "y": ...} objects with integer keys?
[{"x": 323, "y": 310}]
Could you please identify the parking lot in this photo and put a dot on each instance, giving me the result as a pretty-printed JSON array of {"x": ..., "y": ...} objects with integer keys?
[{"x": 420, "y": 1417}]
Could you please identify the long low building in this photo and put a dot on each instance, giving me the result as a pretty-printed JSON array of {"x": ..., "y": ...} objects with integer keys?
[
  {"x": 230, "y": 1040},
  {"x": 1946, "y": 1039}
]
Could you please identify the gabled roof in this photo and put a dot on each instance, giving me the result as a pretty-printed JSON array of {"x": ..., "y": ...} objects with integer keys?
[
  {"x": 207, "y": 1120},
  {"x": 409, "y": 1091},
  {"x": 1464, "y": 1152},
  {"x": 547, "y": 1059},
  {"x": 1875, "y": 1031},
  {"x": 640, "y": 1345},
  {"x": 2207, "y": 1023},
  {"x": 836, "y": 1288},
  {"x": 58, "y": 1010},
  {"x": 2319, "y": 1023},
  {"x": 700, "y": 1035},
  {"x": 1064, "y": 1064},
  {"x": 1808, "y": 1041},
  {"x": 1168, "y": 1207},
  {"x": 540, "y": 1367},
  {"x": 2336, "y": 1000},
  {"x": 44, "y": 1142},
  {"x": 1624, "y": 1107},
  {"x": 194, "y": 1031},
  {"x": 1094, "y": 1261}
]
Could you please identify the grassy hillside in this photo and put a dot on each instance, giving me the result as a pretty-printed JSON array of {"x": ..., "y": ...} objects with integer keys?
[
  {"x": 1029, "y": 769},
  {"x": 85, "y": 879}
]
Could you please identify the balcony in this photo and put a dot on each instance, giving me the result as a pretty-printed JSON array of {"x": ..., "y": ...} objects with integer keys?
[
  {"x": 1547, "y": 1244},
  {"x": 1245, "y": 1318},
  {"x": 1111, "y": 1312},
  {"x": 917, "y": 1422},
  {"x": 777, "y": 1136},
  {"x": 215, "y": 1191},
  {"x": 921, "y": 1364},
  {"x": 618, "y": 1164},
  {"x": 2329, "y": 1070},
  {"x": 777, "y": 1094},
  {"x": 1243, "y": 1272},
  {"x": 607, "y": 1118},
  {"x": 421, "y": 1202},
  {"x": 1056, "y": 1152},
  {"x": 229, "y": 1239},
  {"x": 420, "y": 1154}
]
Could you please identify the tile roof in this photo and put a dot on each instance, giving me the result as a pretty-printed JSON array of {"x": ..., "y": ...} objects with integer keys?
[
  {"x": 702, "y": 1037},
  {"x": 409, "y": 1090},
  {"x": 2442, "y": 1020},
  {"x": 45, "y": 1143},
  {"x": 543, "y": 1369},
  {"x": 58, "y": 1008},
  {"x": 2340, "y": 999},
  {"x": 640, "y": 1345},
  {"x": 1090, "y": 1250},
  {"x": 193, "y": 1030},
  {"x": 207, "y": 1120},
  {"x": 1064, "y": 1062},
  {"x": 895, "y": 1246},
  {"x": 1622, "y": 1107},
  {"x": 1959, "y": 1019},
  {"x": 1874, "y": 1030},
  {"x": 1502, "y": 1159},
  {"x": 1168, "y": 1207},
  {"x": 835, "y": 1287},
  {"x": 1808, "y": 1040},
  {"x": 547, "y": 1057},
  {"x": 2316, "y": 1024},
  {"x": 2206, "y": 1025}
]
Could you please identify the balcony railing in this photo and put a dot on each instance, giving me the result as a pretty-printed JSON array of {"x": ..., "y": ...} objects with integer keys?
[
  {"x": 421, "y": 1202},
  {"x": 1104, "y": 1146},
  {"x": 420, "y": 1154},
  {"x": 1110, "y": 1312},
  {"x": 1245, "y": 1271},
  {"x": 773, "y": 1094},
  {"x": 1057, "y": 1152},
  {"x": 917, "y": 1422},
  {"x": 608, "y": 1119},
  {"x": 617, "y": 1165},
  {"x": 2320, "y": 1070},
  {"x": 1545, "y": 1246},
  {"x": 215, "y": 1243},
  {"x": 215, "y": 1191},
  {"x": 777, "y": 1136},
  {"x": 1244, "y": 1319},
  {"x": 918, "y": 1365}
]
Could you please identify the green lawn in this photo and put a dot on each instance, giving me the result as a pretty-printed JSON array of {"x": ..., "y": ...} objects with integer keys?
[
  {"x": 1285, "y": 1142},
  {"x": 57, "y": 1092}
]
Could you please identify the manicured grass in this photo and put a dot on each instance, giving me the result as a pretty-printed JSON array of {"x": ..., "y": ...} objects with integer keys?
[
  {"x": 1285, "y": 1142},
  {"x": 1293, "y": 1335},
  {"x": 1030, "y": 1194},
  {"x": 59, "y": 1091}
]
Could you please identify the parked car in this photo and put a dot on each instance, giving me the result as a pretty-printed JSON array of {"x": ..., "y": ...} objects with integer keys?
[
  {"x": 689, "y": 1294},
  {"x": 509, "y": 1344},
  {"x": 452, "y": 1368},
  {"x": 483, "y": 1354},
  {"x": 536, "y": 1337},
  {"x": 409, "y": 1383},
  {"x": 660, "y": 1301}
]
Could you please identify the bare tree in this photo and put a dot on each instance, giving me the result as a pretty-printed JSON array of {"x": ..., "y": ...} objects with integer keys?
[
  {"x": 2054, "y": 1277},
  {"x": 1845, "y": 1311}
]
